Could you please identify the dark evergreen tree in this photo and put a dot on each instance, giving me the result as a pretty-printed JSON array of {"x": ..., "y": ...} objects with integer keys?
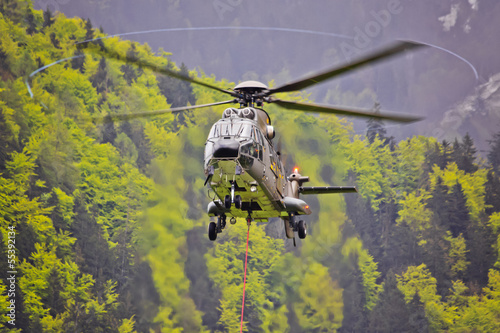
[
  {"x": 480, "y": 242},
  {"x": 92, "y": 252},
  {"x": 202, "y": 290},
  {"x": 130, "y": 73},
  {"x": 464, "y": 154},
  {"x": 438, "y": 203},
  {"x": 89, "y": 34},
  {"x": 376, "y": 129},
  {"x": 434, "y": 254},
  {"x": 391, "y": 313},
  {"x": 439, "y": 154},
  {"x": 417, "y": 321},
  {"x": 31, "y": 23},
  {"x": 355, "y": 313},
  {"x": 108, "y": 130},
  {"x": 140, "y": 297},
  {"x": 402, "y": 249},
  {"x": 79, "y": 61},
  {"x": 178, "y": 93},
  {"x": 135, "y": 132},
  {"x": 492, "y": 195},
  {"x": 458, "y": 213},
  {"x": 366, "y": 224},
  {"x": 54, "y": 40},
  {"x": 494, "y": 153},
  {"x": 48, "y": 18},
  {"x": 100, "y": 80}
]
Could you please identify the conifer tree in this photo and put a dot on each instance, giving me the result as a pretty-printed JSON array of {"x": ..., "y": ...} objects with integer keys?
[
  {"x": 391, "y": 313},
  {"x": 492, "y": 189},
  {"x": 464, "y": 154},
  {"x": 494, "y": 153},
  {"x": 48, "y": 18},
  {"x": 376, "y": 129}
]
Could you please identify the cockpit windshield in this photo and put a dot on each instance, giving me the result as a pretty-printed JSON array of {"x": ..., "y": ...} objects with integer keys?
[{"x": 239, "y": 129}]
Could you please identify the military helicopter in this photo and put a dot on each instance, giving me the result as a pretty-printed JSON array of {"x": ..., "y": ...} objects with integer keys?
[{"x": 242, "y": 166}]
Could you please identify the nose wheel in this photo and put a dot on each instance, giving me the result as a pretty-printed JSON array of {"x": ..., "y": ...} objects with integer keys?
[{"x": 230, "y": 199}]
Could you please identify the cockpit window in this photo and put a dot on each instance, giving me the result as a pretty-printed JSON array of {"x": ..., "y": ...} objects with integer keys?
[
  {"x": 231, "y": 129},
  {"x": 245, "y": 130}
]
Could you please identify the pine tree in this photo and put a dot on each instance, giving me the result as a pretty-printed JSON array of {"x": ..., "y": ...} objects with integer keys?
[
  {"x": 492, "y": 192},
  {"x": 494, "y": 153},
  {"x": 100, "y": 80},
  {"x": 178, "y": 93},
  {"x": 355, "y": 313},
  {"x": 48, "y": 18},
  {"x": 376, "y": 129},
  {"x": 130, "y": 73},
  {"x": 32, "y": 24},
  {"x": 417, "y": 321},
  {"x": 464, "y": 154},
  {"x": 391, "y": 313},
  {"x": 458, "y": 214}
]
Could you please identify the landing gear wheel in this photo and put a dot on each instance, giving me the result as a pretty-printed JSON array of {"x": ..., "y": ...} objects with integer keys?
[
  {"x": 212, "y": 231},
  {"x": 237, "y": 202},
  {"x": 302, "y": 229},
  {"x": 227, "y": 201}
]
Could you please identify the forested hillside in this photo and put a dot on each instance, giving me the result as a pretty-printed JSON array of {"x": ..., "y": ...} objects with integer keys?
[{"x": 109, "y": 217}]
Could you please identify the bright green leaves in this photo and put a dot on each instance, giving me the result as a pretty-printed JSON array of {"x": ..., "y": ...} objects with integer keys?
[
  {"x": 414, "y": 212},
  {"x": 320, "y": 304},
  {"x": 457, "y": 255},
  {"x": 418, "y": 280},
  {"x": 226, "y": 267},
  {"x": 472, "y": 185}
]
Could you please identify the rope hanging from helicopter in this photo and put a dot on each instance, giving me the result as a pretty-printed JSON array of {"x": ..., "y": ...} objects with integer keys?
[{"x": 244, "y": 281}]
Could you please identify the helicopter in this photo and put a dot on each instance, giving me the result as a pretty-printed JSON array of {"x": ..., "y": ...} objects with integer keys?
[{"x": 242, "y": 166}]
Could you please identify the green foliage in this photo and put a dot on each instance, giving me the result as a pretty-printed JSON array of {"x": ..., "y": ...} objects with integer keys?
[
  {"x": 419, "y": 281},
  {"x": 226, "y": 267},
  {"x": 109, "y": 216},
  {"x": 457, "y": 255},
  {"x": 414, "y": 212},
  {"x": 320, "y": 307}
]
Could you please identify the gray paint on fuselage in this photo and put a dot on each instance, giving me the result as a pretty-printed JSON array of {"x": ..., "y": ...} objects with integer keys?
[{"x": 266, "y": 170}]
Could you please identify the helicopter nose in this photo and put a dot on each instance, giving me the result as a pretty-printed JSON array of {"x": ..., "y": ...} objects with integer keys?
[{"x": 226, "y": 148}]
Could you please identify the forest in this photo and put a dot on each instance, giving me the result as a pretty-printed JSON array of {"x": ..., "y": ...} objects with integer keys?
[{"x": 105, "y": 220}]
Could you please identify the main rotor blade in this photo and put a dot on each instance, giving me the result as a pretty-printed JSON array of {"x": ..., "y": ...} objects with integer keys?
[
  {"x": 351, "y": 112},
  {"x": 338, "y": 70},
  {"x": 133, "y": 115},
  {"x": 155, "y": 68}
]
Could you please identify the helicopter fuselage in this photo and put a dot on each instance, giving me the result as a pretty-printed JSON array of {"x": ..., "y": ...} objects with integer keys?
[{"x": 240, "y": 160}]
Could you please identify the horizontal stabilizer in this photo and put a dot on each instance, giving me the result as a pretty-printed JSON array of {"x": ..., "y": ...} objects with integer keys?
[{"x": 327, "y": 189}]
